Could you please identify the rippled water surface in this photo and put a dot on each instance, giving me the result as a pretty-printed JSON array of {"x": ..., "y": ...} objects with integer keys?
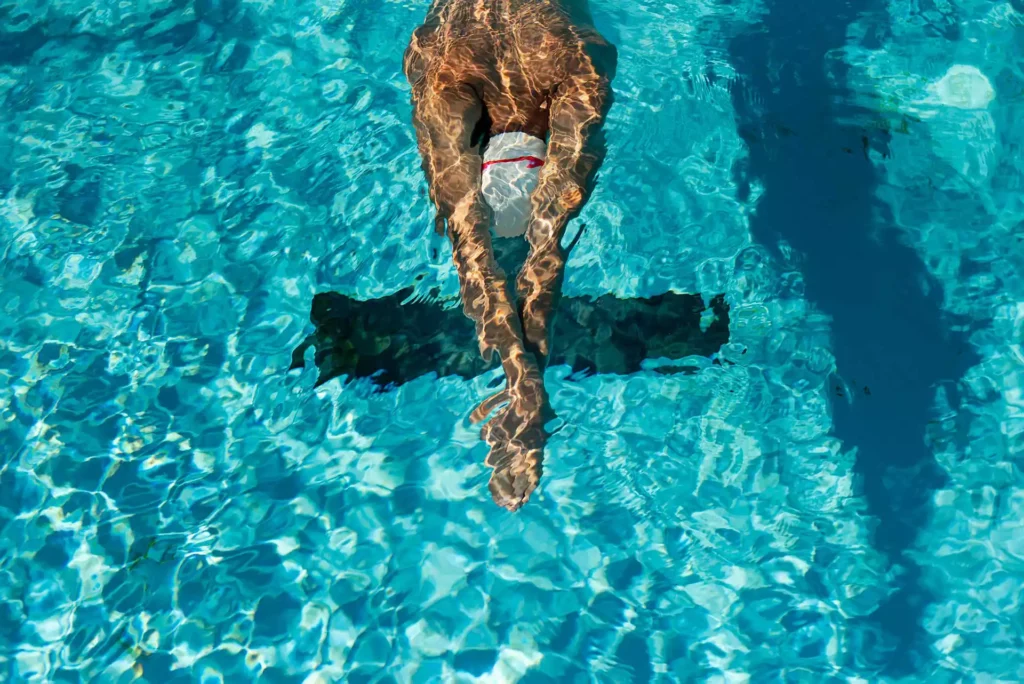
[{"x": 842, "y": 502}]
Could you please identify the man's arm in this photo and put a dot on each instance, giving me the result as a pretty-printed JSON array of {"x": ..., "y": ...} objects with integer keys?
[{"x": 577, "y": 111}]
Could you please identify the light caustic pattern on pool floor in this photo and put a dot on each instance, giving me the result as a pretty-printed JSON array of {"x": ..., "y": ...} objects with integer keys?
[{"x": 180, "y": 179}]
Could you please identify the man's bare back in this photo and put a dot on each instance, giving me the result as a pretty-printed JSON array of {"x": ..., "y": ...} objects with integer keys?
[{"x": 486, "y": 67}]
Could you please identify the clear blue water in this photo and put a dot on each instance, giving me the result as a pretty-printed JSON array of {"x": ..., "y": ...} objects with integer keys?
[{"x": 843, "y": 503}]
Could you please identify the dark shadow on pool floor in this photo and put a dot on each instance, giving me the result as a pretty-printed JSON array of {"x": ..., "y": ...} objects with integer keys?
[
  {"x": 391, "y": 342},
  {"x": 889, "y": 332}
]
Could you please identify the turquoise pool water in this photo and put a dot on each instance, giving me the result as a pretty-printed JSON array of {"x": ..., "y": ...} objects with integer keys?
[{"x": 841, "y": 502}]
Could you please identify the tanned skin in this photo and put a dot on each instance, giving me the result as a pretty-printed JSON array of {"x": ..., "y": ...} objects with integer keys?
[{"x": 522, "y": 65}]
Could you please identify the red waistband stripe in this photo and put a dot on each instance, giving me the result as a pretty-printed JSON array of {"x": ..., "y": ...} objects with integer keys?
[{"x": 534, "y": 162}]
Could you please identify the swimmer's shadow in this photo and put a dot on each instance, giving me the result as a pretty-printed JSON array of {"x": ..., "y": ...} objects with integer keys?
[{"x": 392, "y": 343}]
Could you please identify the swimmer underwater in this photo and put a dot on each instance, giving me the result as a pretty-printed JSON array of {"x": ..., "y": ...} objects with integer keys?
[{"x": 508, "y": 100}]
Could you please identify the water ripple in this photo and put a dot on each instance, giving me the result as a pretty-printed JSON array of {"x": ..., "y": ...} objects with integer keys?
[{"x": 179, "y": 180}]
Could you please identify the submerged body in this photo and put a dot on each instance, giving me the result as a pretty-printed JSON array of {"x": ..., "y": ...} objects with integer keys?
[{"x": 479, "y": 69}]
